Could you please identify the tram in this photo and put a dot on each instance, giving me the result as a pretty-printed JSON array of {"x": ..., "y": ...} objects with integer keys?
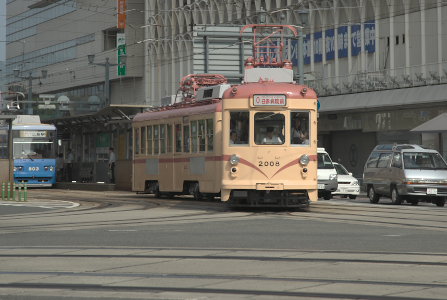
[
  {"x": 34, "y": 151},
  {"x": 253, "y": 144}
]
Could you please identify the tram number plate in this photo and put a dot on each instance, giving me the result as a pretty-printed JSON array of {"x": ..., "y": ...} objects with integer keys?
[
  {"x": 321, "y": 186},
  {"x": 269, "y": 186},
  {"x": 432, "y": 191}
]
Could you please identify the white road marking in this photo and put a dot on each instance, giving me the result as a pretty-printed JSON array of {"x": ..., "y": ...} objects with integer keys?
[{"x": 42, "y": 204}]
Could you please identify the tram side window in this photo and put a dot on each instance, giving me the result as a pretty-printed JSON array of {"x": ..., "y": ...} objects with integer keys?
[
  {"x": 137, "y": 140},
  {"x": 269, "y": 128},
  {"x": 210, "y": 134},
  {"x": 156, "y": 139},
  {"x": 149, "y": 140},
  {"x": 201, "y": 135},
  {"x": 194, "y": 134},
  {"x": 300, "y": 128},
  {"x": 143, "y": 140},
  {"x": 186, "y": 138},
  {"x": 178, "y": 138},
  {"x": 169, "y": 138},
  {"x": 163, "y": 138},
  {"x": 239, "y": 126}
]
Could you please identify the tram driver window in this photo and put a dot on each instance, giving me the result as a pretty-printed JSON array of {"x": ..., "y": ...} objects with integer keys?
[
  {"x": 269, "y": 128},
  {"x": 239, "y": 125},
  {"x": 300, "y": 128}
]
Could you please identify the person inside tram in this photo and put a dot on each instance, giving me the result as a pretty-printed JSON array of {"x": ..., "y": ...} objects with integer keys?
[
  {"x": 297, "y": 132},
  {"x": 271, "y": 137},
  {"x": 233, "y": 137}
]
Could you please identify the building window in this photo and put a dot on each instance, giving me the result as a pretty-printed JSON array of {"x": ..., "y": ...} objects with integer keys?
[
  {"x": 397, "y": 40},
  {"x": 403, "y": 38},
  {"x": 110, "y": 38}
]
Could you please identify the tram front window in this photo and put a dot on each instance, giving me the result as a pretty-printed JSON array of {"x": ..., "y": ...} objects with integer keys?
[
  {"x": 239, "y": 128},
  {"x": 300, "y": 128},
  {"x": 269, "y": 128},
  {"x": 33, "y": 148}
]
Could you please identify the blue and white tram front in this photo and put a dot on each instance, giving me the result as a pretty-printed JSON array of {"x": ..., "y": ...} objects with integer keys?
[{"x": 34, "y": 151}]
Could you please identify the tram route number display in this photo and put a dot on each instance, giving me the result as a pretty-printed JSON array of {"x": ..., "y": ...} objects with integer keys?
[
  {"x": 269, "y": 100},
  {"x": 268, "y": 163}
]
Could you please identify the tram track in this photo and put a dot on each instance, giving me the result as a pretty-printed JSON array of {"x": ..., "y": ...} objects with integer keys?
[{"x": 156, "y": 271}]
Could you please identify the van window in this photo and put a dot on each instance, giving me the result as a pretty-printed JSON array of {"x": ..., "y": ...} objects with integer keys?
[
  {"x": 397, "y": 160},
  {"x": 384, "y": 160},
  {"x": 423, "y": 160},
  {"x": 372, "y": 161},
  {"x": 324, "y": 161}
]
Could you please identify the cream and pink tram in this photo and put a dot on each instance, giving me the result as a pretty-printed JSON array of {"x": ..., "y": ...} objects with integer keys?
[{"x": 252, "y": 144}]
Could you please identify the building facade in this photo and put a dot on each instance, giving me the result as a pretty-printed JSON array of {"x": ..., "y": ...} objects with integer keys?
[
  {"x": 379, "y": 66},
  {"x": 90, "y": 112}
]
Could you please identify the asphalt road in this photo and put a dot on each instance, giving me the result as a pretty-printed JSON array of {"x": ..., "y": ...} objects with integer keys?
[{"x": 118, "y": 245}]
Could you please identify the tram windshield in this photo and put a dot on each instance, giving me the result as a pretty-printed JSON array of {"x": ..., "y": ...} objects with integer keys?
[
  {"x": 33, "y": 144},
  {"x": 269, "y": 128}
]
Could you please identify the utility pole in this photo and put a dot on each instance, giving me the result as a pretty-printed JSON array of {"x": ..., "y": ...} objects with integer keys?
[{"x": 30, "y": 77}]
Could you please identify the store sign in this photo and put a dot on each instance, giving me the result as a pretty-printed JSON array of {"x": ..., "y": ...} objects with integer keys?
[
  {"x": 269, "y": 100},
  {"x": 121, "y": 7},
  {"x": 121, "y": 48},
  {"x": 34, "y": 133}
]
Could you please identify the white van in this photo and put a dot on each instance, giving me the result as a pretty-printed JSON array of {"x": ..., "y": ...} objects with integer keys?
[
  {"x": 405, "y": 172},
  {"x": 327, "y": 175}
]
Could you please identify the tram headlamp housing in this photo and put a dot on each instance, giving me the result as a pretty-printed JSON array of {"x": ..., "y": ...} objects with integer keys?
[
  {"x": 18, "y": 168},
  {"x": 304, "y": 159},
  {"x": 234, "y": 159}
]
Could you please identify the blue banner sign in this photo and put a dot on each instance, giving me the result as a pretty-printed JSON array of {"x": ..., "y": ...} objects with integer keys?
[{"x": 342, "y": 40}]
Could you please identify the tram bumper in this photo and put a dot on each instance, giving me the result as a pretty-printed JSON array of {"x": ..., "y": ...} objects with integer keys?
[{"x": 269, "y": 195}]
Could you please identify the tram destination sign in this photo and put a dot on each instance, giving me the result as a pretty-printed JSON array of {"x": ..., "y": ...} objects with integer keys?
[
  {"x": 35, "y": 133},
  {"x": 269, "y": 100}
]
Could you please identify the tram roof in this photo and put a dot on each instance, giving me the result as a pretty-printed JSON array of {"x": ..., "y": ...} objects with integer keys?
[
  {"x": 291, "y": 90},
  {"x": 178, "y": 112}
]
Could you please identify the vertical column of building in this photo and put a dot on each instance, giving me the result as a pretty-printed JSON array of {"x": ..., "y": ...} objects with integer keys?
[
  {"x": 440, "y": 38},
  {"x": 423, "y": 40},
  {"x": 376, "y": 5},
  {"x": 391, "y": 38},
  {"x": 407, "y": 38},
  {"x": 336, "y": 60}
]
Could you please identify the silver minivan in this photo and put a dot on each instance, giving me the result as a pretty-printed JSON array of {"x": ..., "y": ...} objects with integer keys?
[{"x": 408, "y": 173}]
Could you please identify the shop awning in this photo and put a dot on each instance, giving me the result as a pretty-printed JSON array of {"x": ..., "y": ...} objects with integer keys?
[
  {"x": 385, "y": 98},
  {"x": 437, "y": 124}
]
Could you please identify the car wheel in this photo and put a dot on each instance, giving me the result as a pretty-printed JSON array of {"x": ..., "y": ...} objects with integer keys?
[
  {"x": 440, "y": 202},
  {"x": 395, "y": 197},
  {"x": 352, "y": 197},
  {"x": 373, "y": 197},
  {"x": 327, "y": 196}
]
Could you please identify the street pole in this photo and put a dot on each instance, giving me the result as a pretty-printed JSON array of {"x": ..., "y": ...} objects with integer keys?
[
  {"x": 301, "y": 55},
  {"x": 29, "y": 105},
  {"x": 107, "y": 83}
]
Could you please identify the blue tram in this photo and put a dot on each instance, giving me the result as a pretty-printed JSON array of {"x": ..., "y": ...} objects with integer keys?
[{"x": 34, "y": 151}]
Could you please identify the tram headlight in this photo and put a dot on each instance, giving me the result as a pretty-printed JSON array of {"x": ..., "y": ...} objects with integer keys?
[
  {"x": 234, "y": 159},
  {"x": 304, "y": 159},
  {"x": 18, "y": 168}
]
